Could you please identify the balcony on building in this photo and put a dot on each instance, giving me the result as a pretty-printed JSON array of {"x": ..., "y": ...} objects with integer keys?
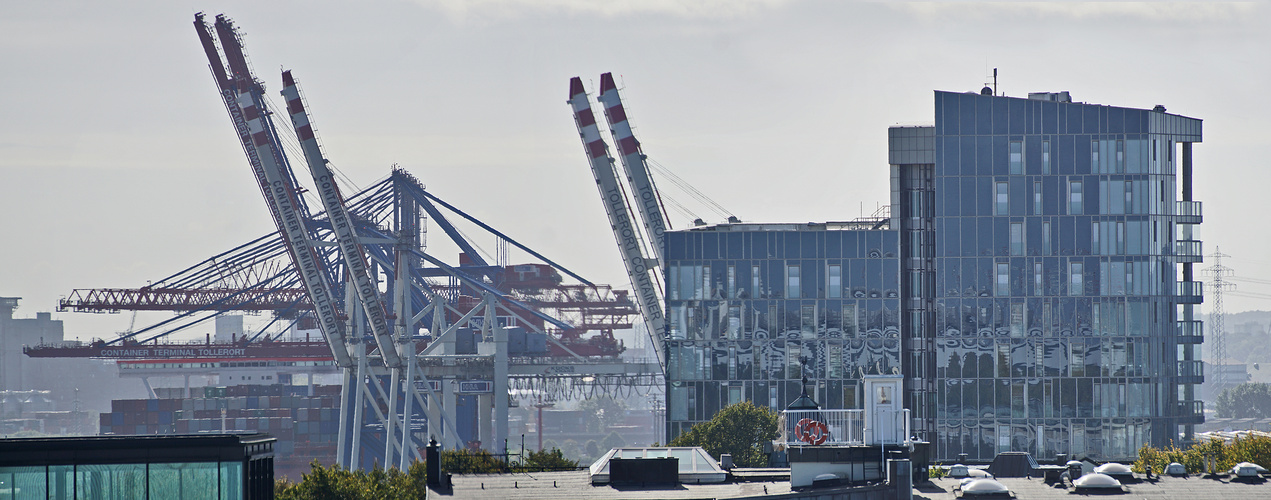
[
  {"x": 1189, "y": 292},
  {"x": 1191, "y": 372},
  {"x": 1187, "y": 212},
  {"x": 1191, "y": 332},
  {"x": 1189, "y": 251},
  {"x": 1190, "y": 412}
]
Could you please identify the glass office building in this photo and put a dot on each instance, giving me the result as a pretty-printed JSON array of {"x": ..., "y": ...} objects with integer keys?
[
  {"x": 1033, "y": 283},
  {"x": 753, "y": 308},
  {"x": 1047, "y": 260},
  {"x": 178, "y": 467}
]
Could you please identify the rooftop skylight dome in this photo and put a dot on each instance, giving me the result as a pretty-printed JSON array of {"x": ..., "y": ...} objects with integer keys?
[
  {"x": 1096, "y": 481},
  {"x": 1115, "y": 470},
  {"x": 983, "y": 487}
]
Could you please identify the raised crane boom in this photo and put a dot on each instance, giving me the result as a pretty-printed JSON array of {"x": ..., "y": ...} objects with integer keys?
[
  {"x": 648, "y": 203},
  {"x": 243, "y": 96},
  {"x": 350, "y": 248},
  {"x": 646, "y": 291}
]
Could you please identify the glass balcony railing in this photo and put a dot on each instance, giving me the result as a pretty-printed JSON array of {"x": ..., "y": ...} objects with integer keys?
[
  {"x": 1189, "y": 408},
  {"x": 1191, "y": 369},
  {"x": 1187, "y": 212},
  {"x": 1189, "y": 292},
  {"x": 1191, "y": 332},
  {"x": 1189, "y": 251}
]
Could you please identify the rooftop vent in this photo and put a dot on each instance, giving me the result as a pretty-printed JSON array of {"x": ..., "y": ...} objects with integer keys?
[{"x": 1158, "y": 108}]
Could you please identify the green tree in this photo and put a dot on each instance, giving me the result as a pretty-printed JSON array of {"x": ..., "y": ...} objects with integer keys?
[
  {"x": 613, "y": 440},
  {"x": 548, "y": 460},
  {"x": 1251, "y": 400},
  {"x": 601, "y": 412},
  {"x": 471, "y": 462},
  {"x": 739, "y": 429},
  {"x": 592, "y": 448},
  {"x": 335, "y": 482},
  {"x": 549, "y": 444}
]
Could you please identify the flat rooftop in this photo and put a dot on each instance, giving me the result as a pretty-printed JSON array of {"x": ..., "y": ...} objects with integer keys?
[{"x": 1193, "y": 487}]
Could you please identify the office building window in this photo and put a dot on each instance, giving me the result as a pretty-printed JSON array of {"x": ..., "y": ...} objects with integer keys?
[
  {"x": 1017, "y": 238},
  {"x": 1001, "y": 196},
  {"x": 1045, "y": 157},
  {"x": 792, "y": 282},
  {"x": 1003, "y": 281},
  {"x": 834, "y": 283},
  {"x": 1076, "y": 205},
  {"x": 732, "y": 281},
  {"x": 1046, "y": 250},
  {"x": 1017, "y": 157},
  {"x": 754, "y": 283},
  {"x": 1038, "y": 286},
  {"x": 1037, "y": 198},
  {"x": 1075, "y": 278}
]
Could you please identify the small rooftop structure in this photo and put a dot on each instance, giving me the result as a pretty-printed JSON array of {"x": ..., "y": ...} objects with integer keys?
[{"x": 695, "y": 465}]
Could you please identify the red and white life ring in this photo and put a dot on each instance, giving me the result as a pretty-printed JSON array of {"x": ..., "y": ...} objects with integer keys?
[{"x": 811, "y": 431}]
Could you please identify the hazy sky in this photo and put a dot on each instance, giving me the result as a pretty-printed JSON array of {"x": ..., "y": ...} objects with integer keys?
[{"x": 119, "y": 165}]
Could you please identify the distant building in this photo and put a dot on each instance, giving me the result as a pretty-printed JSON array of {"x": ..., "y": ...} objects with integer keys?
[
  {"x": 50, "y": 386},
  {"x": 1033, "y": 283}
]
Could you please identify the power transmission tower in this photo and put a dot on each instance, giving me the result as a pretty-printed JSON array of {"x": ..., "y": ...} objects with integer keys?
[{"x": 1218, "y": 337}]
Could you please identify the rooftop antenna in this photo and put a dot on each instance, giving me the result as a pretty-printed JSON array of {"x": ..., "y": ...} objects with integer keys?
[{"x": 995, "y": 82}]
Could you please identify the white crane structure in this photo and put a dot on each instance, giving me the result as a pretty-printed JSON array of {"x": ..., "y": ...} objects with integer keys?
[
  {"x": 395, "y": 394},
  {"x": 641, "y": 269},
  {"x": 647, "y": 200}
]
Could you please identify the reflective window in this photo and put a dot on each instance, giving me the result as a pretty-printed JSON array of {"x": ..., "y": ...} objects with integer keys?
[
  {"x": 1075, "y": 201},
  {"x": 1017, "y": 238},
  {"x": 792, "y": 282},
  {"x": 1045, "y": 157},
  {"x": 1017, "y": 157},
  {"x": 1075, "y": 278},
  {"x": 834, "y": 282},
  {"x": 1001, "y": 191},
  {"x": 1003, "y": 281},
  {"x": 1037, "y": 197}
]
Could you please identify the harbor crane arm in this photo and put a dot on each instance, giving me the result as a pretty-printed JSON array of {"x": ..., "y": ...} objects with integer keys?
[
  {"x": 243, "y": 97},
  {"x": 647, "y": 200},
  {"x": 366, "y": 289},
  {"x": 647, "y": 294}
]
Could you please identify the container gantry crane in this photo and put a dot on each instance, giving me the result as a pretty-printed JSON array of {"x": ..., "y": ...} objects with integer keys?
[
  {"x": 648, "y": 201},
  {"x": 640, "y": 268}
]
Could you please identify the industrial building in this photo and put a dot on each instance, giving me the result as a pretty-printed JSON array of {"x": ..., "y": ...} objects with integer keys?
[{"x": 1033, "y": 282}]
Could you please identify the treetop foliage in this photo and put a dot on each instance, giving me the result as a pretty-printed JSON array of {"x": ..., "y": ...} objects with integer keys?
[
  {"x": 739, "y": 429},
  {"x": 1249, "y": 400},
  {"x": 1256, "y": 449}
]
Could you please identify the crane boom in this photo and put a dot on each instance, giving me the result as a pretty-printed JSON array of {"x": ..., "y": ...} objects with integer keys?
[
  {"x": 648, "y": 203},
  {"x": 615, "y": 201},
  {"x": 350, "y": 248},
  {"x": 243, "y": 96}
]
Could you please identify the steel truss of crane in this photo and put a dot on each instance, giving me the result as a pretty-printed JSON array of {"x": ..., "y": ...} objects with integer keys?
[{"x": 388, "y": 310}]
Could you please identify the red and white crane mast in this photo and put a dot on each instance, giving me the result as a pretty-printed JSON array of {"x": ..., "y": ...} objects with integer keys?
[
  {"x": 648, "y": 202},
  {"x": 244, "y": 99},
  {"x": 341, "y": 224},
  {"x": 648, "y": 296}
]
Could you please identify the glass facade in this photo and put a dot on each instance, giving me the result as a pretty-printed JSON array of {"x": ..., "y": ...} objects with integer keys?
[
  {"x": 1033, "y": 283},
  {"x": 753, "y": 308},
  {"x": 1055, "y": 306},
  {"x": 201, "y": 466}
]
